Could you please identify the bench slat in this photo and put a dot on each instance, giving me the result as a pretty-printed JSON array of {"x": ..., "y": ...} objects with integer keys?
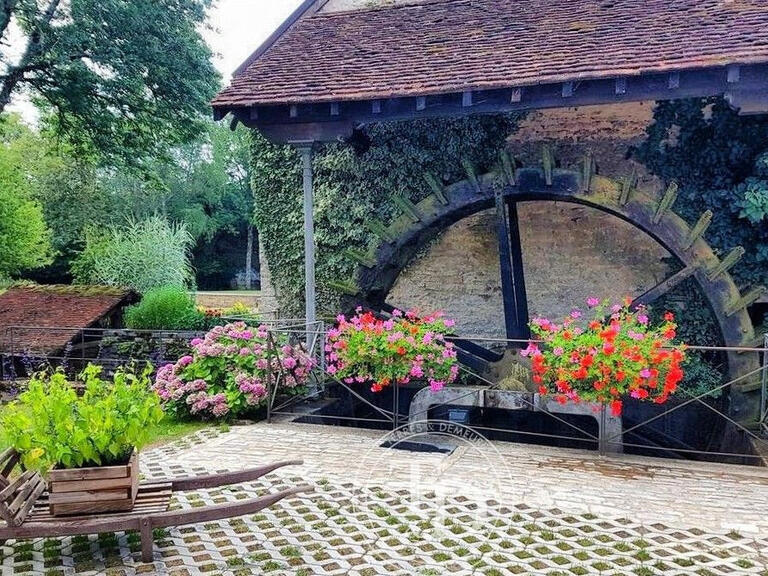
[
  {"x": 11, "y": 489},
  {"x": 29, "y": 503}
]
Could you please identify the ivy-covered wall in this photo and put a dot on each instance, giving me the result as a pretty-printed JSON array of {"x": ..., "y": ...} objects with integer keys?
[
  {"x": 717, "y": 157},
  {"x": 355, "y": 182},
  {"x": 720, "y": 160}
]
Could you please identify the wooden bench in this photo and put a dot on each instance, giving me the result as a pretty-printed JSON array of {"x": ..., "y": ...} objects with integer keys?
[{"x": 24, "y": 505}]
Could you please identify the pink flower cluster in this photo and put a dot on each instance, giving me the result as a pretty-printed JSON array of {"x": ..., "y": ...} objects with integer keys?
[{"x": 228, "y": 372}]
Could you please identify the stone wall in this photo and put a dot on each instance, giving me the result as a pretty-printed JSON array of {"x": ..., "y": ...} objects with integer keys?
[{"x": 570, "y": 251}]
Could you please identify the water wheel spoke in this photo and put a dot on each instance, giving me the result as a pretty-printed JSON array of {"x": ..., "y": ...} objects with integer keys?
[{"x": 664, "y": 287}]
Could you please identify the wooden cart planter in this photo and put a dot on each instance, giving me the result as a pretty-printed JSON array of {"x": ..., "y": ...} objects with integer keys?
[
  {"x": 92, "y": 490},
  {"x": 24, "y": 505}
]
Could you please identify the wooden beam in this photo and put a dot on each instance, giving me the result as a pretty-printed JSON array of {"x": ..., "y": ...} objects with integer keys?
[
  {"x": 727, "y": 263},
  {"x": 547, "y": 163},
  {"x": 667, "y": 201},
  {"x": 587, "y": 170},
  {"x": 749, "y": 94},
  {"x": 407, "y": 207},
  {"x": 380, "y": 229},
  {"x": 508, "y": 167},
  {"x": 512, "y": 276},
  {"x": 747, "y": 300},
  {"x": 698, "y": 230},
  {"x": 734, "y": 74},
  {"x": 437, "y": 189},
  {"x": 627, "y": 185},
  {"x": 469, "y": 169},
  {"x": 663, "y": 287}
]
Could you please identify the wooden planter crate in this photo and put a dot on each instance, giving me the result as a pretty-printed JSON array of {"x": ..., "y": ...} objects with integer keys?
[{"x": 94, "y": 490}]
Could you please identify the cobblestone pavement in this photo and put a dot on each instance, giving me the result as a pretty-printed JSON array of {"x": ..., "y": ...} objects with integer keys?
[{"x": 486, "y": 509}]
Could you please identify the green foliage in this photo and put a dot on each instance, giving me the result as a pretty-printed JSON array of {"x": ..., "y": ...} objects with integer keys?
[
  {"x": 719, "y": 159},
  {"x": 141, "y": 255},
  {"x": 165, "y": 308},
  {"x": 24, "y": 236},
  {"x": 355, "y": 182},
  {"x": 50, "y": 425},
  {"x": 123, "y": 80}
]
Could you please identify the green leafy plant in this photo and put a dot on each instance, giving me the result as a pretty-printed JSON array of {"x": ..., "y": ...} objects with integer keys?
[
  {"x": 616, "y": 353},
  {"x": 166, "y": 308},
  {"x": 356, "y": 182},
  {"x": 50, "y": 425},
  {"x": 142, "y": 255}
]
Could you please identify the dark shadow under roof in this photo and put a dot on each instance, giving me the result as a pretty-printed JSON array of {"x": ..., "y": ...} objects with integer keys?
[{"x": 444, "y": 46}]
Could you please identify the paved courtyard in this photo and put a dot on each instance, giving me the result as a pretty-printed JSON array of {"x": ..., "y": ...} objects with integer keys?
[{"x": 486, "y": 509}]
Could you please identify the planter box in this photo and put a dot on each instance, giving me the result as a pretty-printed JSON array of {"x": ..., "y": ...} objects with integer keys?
[{"x": 93, "y": 490}]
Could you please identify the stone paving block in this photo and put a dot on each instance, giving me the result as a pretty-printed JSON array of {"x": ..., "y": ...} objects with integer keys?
[{"x": 381, "y": 527}]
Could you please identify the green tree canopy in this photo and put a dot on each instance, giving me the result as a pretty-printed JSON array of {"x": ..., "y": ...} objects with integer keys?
[
  {"x": 122, "y": 79},
  {"x": 24, "y": 237}
]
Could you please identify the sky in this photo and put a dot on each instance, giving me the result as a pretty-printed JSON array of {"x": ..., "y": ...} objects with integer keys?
[{"x": 238, "y": 28}]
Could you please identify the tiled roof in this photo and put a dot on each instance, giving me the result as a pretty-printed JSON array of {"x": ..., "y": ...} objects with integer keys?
[
  {"x": 442, "y": 46},
  {"x": 53, "y": 307}
]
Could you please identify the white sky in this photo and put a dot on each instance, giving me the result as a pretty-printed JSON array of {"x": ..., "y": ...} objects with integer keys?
[{"x": 239, "y": 27}]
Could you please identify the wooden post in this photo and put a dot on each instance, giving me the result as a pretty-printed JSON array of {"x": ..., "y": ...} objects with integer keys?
[{"x": 147, "y": 542}]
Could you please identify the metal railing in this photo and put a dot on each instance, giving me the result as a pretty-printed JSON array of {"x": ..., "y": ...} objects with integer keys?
[
  {"x": 638, "y": 434},
  {"x": 114, "y": 347}
]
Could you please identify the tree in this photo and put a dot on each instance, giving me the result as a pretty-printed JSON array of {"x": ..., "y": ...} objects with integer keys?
[
  {"x": 122, "y": 78},
  {"x": 24, "y": 237},
  {"x": 206, "y": 186}
]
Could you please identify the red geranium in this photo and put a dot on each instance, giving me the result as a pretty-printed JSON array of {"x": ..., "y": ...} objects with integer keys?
[{"x": 615, "y": 354}]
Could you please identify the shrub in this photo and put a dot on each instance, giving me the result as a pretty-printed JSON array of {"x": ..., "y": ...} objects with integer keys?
[
  {"x": 167, "y": 308},
  {"x": 616, "y": 353},
  {"x": 228, "y": 371},
  {"x": 141, "y": 255},
  {"x": 51, "y": 426},
  {"x": 365, "y": 349}
]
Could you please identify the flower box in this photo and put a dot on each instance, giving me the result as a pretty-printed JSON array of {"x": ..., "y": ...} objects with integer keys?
[{"x": 94, "y": 490}]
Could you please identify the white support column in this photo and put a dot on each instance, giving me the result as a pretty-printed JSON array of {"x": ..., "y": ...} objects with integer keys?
[{"x": 309, "y": 245}]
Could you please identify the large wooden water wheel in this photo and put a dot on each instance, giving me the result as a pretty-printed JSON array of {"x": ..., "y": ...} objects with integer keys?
[{"x": 398, "y": 242}]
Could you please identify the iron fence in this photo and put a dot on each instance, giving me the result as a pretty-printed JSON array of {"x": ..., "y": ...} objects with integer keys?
[
  {"x": 643, "y": 430},
  {"x": 505, "y": 413}
]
